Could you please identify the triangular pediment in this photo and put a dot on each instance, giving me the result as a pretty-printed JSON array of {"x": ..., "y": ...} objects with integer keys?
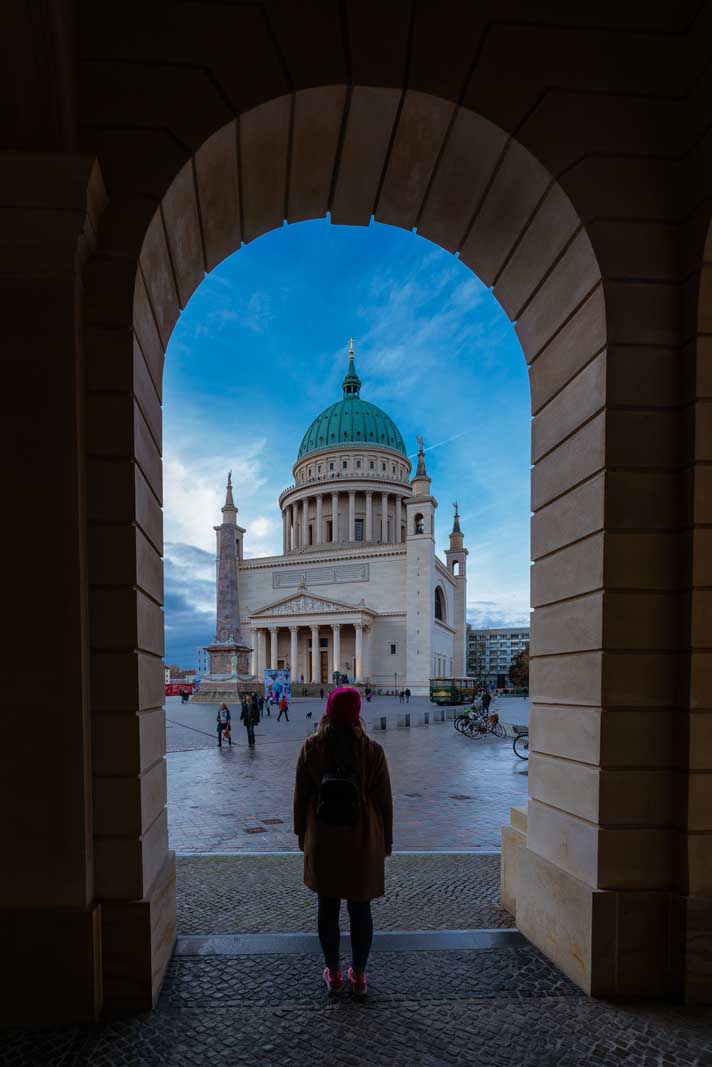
[{"x": 304, "y": 603}]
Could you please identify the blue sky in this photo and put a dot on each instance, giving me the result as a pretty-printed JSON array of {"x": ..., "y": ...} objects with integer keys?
[{"x": 261, "y": 349}]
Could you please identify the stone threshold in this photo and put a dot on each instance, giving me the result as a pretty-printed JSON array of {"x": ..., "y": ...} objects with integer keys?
[
  {"x": 236, "y": 853},
  {"x": 383, "y": 941}
]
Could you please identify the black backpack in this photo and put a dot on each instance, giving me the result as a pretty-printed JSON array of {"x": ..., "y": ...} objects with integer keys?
[{"x": 338, "y": 801}]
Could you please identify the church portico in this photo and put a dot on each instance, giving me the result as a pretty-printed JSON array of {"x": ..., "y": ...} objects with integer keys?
[{"x": 314, "y": 638}]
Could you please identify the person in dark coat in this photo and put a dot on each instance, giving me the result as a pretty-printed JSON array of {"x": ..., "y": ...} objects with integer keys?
[
  {"x": 344, "y": 862},
  {"x": 250, "y": 716}
]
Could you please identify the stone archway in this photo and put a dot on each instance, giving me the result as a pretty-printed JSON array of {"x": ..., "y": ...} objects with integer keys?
[
  {"x": 590, "y": 176},
  {"x": 421, "y": 161}
]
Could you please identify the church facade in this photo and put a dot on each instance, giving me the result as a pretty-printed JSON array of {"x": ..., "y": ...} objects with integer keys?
[{"x": 358, "y": 587}]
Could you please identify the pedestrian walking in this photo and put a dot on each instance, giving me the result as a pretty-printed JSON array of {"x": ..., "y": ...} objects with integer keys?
[
  {"x": 401, "y": 695},
  {"x": 486, "y": 700},
  {"x": 223, "y": 721},
  {"x": 283, "y": 709},
  {"x": 407, "y": 696},
  {"x": 250, "y": 716},
  {"x": 262, "y": 704},
  {"x": 343, "y": 819}
]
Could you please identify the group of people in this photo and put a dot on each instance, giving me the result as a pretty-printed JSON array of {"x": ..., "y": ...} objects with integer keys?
[
  {"x": 251, "y": 709},
  {"x": 404, "y": 696}
]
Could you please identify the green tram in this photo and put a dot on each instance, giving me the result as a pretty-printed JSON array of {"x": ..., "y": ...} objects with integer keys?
[{"x": 453, "y": 690}]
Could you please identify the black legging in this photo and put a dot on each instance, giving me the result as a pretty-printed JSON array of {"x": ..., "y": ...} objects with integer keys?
[{"x": 361, "y": 931}]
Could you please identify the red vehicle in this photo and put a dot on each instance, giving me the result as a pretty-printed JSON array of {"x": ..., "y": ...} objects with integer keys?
[{"x": 174, "y": 689}]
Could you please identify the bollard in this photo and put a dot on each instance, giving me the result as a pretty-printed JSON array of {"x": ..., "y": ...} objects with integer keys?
[
  {"x": 426, "y": 718},
  {"x": 384, "y": 722},
  {"x": 407, "y": 719},
  {"x": 404, "y": 720}
]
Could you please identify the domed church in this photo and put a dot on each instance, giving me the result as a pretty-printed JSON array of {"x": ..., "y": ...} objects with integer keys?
[{"x": 358, "y": 588}]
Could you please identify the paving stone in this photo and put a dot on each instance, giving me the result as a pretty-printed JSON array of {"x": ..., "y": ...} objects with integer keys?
[
  {"x": 264, "y": 894},
  {"x": 495, "y": 1008}
]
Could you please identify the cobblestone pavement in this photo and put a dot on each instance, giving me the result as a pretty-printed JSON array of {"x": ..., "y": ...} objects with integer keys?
[
  {"x": 493, "y": 1008},
  {"x": 450, "y": 792},
  {"x": 264, "y": 894}
]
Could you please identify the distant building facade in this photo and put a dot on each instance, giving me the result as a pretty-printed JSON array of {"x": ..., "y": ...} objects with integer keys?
[{"x": 490, "y": 652}]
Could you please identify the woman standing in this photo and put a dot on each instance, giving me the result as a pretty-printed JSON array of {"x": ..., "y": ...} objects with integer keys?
[{"x": 343, "y": 818}]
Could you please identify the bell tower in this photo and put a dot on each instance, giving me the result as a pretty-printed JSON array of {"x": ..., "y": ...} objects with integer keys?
[
  {"x": 420, "y": 578},
  {"x": 456, "y": 558}
]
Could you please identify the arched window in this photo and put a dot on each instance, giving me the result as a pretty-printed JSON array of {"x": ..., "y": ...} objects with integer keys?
[
  {"x": 439, "y": 604},
  {"x": 418, "y": 524}
]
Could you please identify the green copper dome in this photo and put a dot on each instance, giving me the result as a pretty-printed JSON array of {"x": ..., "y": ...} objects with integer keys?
[{"x": 351, "y": 421}]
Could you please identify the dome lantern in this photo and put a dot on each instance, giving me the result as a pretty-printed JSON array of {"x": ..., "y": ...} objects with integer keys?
[{"x": 352, "y": 422}]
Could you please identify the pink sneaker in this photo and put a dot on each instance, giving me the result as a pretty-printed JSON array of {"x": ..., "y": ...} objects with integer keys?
[
  {"x": 359, "y": 985},
  {"x": 334, "y": 981}
]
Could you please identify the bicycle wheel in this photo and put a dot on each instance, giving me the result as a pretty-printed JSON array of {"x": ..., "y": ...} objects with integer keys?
[
  {"x": 460, "y": 723},
  {"x": 498, "y": 730},
  {"x": 476, "y": 730},
  {"x": 521, "y": 746}
]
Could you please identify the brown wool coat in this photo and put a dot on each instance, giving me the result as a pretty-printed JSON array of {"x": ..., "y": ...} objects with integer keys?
[{"x": 345, "y": 862}]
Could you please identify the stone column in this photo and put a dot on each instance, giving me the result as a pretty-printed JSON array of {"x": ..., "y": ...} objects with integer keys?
[
  {"x": 352, "y": 515},
  {"x": 293, "y": 634},
  {"x": 358, "y": 662},
  {"x": 305, "y": 522},
  {"x": 384, "y": 518},
  {"x": 336, "y": 645},
  {"x": 334, "y": 518},
  {"x": 369, "y": 516},
  {"x": 315, "y": 670},
  {"x": 273, "y": 632},
  {"x": 319, "y": 518},
  {"x": 402, "y": 519}
]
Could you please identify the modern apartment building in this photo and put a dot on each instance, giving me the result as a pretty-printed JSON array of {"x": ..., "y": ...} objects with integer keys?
[{"x": 490, "y": 652}]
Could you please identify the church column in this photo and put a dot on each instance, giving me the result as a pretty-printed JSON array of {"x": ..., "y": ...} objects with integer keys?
[
  {"x": 384, "y": 518},
  {"x": 305, "y": 522},
  {"x": 334, "y": 518},
  {"x": 358, "y": 662},
  {"x": 319, "y": 518},
  {"x": 273, "y": 647},
  {"x": 315, "y": 669},
  {"x": 285, "y": 529},
  {"x": 293, "y": 634},
  {"x": 336, "y": 645},
  {"x": 369, "y": 516},
  {"x": 352, "y": 515}
]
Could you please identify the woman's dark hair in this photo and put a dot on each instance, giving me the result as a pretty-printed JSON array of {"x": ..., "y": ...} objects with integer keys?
[{"x": 340, "y": 746}]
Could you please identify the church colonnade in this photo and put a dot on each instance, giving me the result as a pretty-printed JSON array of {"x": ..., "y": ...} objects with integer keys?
[
  {"x": 336, "y": 516},
  {"x": 314, "y": 649}
]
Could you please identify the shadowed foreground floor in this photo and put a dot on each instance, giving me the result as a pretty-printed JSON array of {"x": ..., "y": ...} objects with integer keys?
[{"x": 492, "y": 1007}]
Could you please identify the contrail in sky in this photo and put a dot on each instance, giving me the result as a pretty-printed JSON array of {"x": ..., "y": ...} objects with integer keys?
[{"x": 439, "y": 443}]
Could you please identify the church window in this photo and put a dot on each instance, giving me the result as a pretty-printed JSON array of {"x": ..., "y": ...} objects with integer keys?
[
  {"x": 318, "y": 470},
  {"x": 418, "y": 524},
  {"x": 383, "y": 466},
  {"x": 359, "y": 529},
  {"x": 323, "y": 642},
  {"x": 372, "y": 465},
  {"x": 358, "y": 464},
  {"x": 393, "y": 650},
  {"x": 329, "y": 529},
  {"x": 331, "y": 466},
  {"x": 394, "y": 468},
  {"x": 439, "y": 604},
  {"x": 344, "y": 464}
]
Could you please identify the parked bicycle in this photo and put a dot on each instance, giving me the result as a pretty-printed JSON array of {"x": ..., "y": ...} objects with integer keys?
[
  {"x": 521, "y": 742},
  {"x": 476, "y": 724}
]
